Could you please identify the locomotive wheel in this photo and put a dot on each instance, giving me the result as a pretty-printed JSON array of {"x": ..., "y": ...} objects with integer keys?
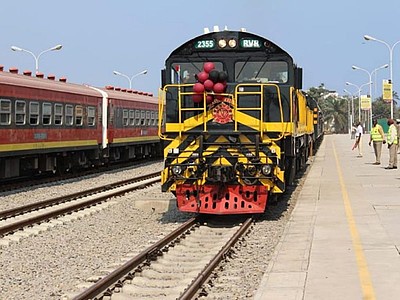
[
  {"x": 273, "y": 199},
  {"x": 290, "y": 170}
]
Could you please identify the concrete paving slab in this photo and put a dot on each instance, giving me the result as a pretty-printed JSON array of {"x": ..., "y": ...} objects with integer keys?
[{"x": 343, "y": 238}]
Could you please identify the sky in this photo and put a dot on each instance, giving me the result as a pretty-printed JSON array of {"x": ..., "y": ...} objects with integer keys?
[{"x": 325, "y": 38}]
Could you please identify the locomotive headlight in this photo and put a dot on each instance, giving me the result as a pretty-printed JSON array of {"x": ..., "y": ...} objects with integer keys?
[
  {"x": 176, "y": 170},
  {"x": 222, "y": 43},
  {"x": 266, "y": 170},
  {"x": 232, "y": 43}
]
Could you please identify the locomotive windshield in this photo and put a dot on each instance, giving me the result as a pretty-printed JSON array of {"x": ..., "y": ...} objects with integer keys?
[
  {"x": 261, "y": 71},
  {"x": 185, "y": 72}
]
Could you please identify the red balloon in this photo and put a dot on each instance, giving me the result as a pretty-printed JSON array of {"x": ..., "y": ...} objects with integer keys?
[
  {"x": 208, "y": 66},
  {"x": 208, "y": 84},
  {"x": 198, "y": 88},
  {"x": 219, "y": 87},
  {"x": 197, "y": 98},
  {"x": 202, "y": 76}
]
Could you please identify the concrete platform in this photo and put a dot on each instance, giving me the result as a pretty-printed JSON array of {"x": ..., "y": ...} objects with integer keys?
[{"x": 343, "y": 239}]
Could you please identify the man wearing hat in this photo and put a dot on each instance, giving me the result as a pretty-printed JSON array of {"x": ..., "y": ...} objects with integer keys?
[
  {"x": 377, "y": 137},
  {"x": 392, "y": 142}
]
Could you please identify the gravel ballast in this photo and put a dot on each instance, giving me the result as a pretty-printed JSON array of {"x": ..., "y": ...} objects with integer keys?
[{"x": 55, "y": 262}]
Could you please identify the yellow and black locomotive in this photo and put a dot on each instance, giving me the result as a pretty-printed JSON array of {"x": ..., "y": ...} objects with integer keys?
[{"x": 235, "y": 125}]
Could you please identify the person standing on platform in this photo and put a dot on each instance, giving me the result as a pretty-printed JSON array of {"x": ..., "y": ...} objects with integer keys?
[
  {"x": 377, "y": 137},
  {"x": 398, "y": 134},
  {"x": 357, "y": 143},
  {"x": 392, "y": 144}
]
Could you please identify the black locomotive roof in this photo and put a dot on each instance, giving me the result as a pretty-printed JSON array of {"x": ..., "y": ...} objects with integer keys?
[{"x": 266, "y": 45}]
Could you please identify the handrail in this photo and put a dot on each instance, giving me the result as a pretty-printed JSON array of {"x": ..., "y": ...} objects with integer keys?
[{"x": 181, "y": 94}]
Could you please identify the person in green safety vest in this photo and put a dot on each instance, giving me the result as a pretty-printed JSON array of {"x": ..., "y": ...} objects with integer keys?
[
  {"x": 377, "y": 138},
  {"x": 392, "y": 144}
]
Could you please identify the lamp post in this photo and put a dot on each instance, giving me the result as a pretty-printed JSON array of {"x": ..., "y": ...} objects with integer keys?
[
  {"x": 130, "y": 78},
  {"x": 352, "y": 108},
  {"x": 359, "y": 88},
  {"x": 55, "y": 48},
  {"x": 370, "y": 38},
  {"x": 370, "y": 84}
]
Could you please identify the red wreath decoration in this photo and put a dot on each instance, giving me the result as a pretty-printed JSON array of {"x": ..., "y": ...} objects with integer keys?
[{"x": 222, "y": 113}]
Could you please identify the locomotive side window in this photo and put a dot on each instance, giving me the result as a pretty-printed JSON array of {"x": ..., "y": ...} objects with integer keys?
[
  {"x": 125, "y": 117},
  {"x": 69, "y": 115},
  {"x": 46, "y": 115},
  {"x": 142, "y": 117},
  {"x": 79, "y": 115},
  {"x": 91, "y": 115},
  {"x": 147, "y": 118},
  {"x": 34, "y": 113},
  {"x": 131, "y": 117},
  {"x": 5, "y": 112},
  {"x": 20, "y": 112},
  {"x": 58, "y": 114},
  {"x": 137, "y": 117}
]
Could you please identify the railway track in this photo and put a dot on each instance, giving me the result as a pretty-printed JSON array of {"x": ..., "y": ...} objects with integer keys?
[
  {"x": 175, "y": 267},
  {"x": 12, "y": 184},
  {"x": 15, "y": 219}
]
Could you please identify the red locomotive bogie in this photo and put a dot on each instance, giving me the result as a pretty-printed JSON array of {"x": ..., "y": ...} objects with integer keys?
[{"x": 46, "y": 125}]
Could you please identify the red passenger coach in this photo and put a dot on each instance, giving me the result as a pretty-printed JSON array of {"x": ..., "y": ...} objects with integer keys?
[
  {"x": 134, "y": 123},
  {"x": 48, "y": 125}
]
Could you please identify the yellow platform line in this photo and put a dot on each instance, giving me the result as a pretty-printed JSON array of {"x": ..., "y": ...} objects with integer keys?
[{"x": 363, "y": 272}]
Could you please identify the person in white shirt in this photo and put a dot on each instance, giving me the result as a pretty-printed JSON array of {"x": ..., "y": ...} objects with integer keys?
[{"x": 357, "y": 143}]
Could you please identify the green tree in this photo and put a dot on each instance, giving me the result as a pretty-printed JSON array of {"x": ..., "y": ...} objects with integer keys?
[
  {"x": 335, "y": 109},
  {"x": 336, "y": 113},
  {"x": 381, "y": 109}
]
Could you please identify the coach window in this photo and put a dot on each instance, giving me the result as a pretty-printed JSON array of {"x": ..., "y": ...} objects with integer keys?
[
  {"x": 137, "y": 117},
  {"x": 91, "y": 115},
  {"x": 148, "y": 118},
  {"x": 125, "y": 117},
  {"x": 79, "y": 115},
  {"x": 46, "y": 115},
  {"x": 153, "y": 120},
  {"x": 131, "y": 117},
  {"x": 5, "y": 112},
  {"x": 156, "y": 118},
  {"x": 69, "y": 115},
  {"x": 58, "y": 114},
  {"x": 20, "y": 112},
  {"x": 142, "y": 117},
  {"x": 34, "y": 113}
]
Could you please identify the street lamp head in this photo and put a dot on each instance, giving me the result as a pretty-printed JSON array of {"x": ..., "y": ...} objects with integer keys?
[
  {"x": 348, "y": 83},
  {"x": 144, "y": 72},
  {"x": 369, "y": 38},
  {"x": 117, "y": 73},
  {"x": 385, "y": 66},
  {"x": 355, "y": 67},
  {"x": 15, "y": 48},
  {"x": 57, "y": 47}
]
